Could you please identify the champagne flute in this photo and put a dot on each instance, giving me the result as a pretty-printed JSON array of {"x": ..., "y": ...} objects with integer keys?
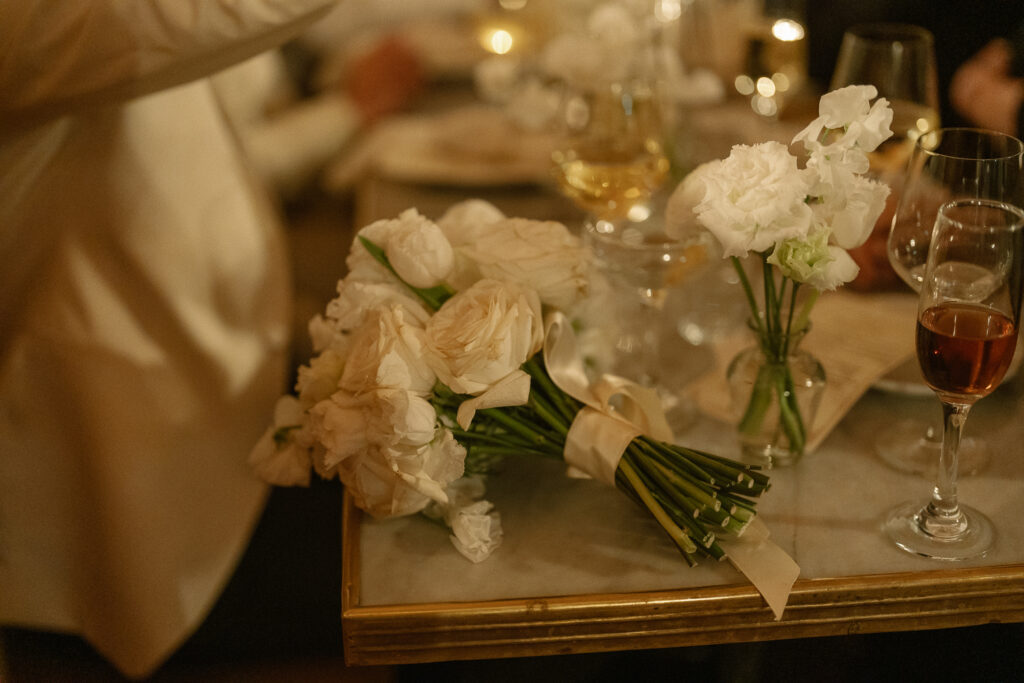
[
  {"x": 967, "y": 326},
  {"x": 946, "y": 164}
]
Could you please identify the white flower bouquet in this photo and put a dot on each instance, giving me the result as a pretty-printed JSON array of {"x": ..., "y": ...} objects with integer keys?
[
  {"x": 447, "y": 346},
  {"x": 799, "y": 222}
]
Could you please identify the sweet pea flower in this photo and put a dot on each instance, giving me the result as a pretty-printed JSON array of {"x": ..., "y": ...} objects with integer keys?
[
  {"x": 482, "y": 334},
  {"x": 754, "y": 199},
  {"x": 862, "y": 125},
  {"x": 542, "y": 255},
  {"x": 852, "y": 212}
]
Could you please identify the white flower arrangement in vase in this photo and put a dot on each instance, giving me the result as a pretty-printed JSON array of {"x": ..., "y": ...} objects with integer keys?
[{"x": 799, "y": 224}]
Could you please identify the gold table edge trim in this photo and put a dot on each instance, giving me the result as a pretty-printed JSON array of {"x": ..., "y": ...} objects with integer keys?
[{"x": 432, "y": 632}]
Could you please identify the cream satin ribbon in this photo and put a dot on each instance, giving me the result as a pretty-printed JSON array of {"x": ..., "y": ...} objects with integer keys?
[
  {"x": 601, "y": 432},
  {"x": 600, "y": 435}
]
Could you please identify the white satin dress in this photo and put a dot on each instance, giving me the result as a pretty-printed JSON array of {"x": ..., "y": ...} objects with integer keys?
[{"x": 144, "y": 315}]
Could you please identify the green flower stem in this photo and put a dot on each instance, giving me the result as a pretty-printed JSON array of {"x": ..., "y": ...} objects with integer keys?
[
  {"x": 718, "y": 517},
  {"x": 749, "y": 292},
  {"x": 682, "y": 540},
  {"x": 687, "y": 507},
  {"x": 566, "y": 405},
  {"x": 804, "y": 317},
  {"x": 683, "y": 466},
  {"x": 703, "y": 497},
  {"x": 789, "y": 411},
  {"x": 548, "y": 413},
  {"x": 760, "y": 400},
  {"x": 531, "y": 432}
]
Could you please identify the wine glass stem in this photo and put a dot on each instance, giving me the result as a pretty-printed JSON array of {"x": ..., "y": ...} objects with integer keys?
[{"x": 943, "y": 517}]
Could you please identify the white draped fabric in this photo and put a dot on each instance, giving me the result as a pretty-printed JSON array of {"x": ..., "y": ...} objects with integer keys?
[{"x": 144, "y": 315}]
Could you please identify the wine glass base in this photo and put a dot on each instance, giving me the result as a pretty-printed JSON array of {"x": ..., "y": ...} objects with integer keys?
[
  {"x": 913, "y": 447},
  {"x": 903, "y": 525}
]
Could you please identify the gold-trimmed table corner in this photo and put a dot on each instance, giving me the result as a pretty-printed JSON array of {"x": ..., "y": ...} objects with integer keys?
[{"x": 430, "y": 632}]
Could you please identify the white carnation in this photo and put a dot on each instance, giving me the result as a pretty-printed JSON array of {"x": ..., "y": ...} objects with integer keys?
[{"x": 755, "y": 198}]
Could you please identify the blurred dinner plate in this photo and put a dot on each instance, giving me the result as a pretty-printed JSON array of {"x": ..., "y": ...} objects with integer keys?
[{"x": 472, "y": 146}]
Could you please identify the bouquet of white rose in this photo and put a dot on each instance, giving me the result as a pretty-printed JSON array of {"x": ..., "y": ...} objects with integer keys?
[
  {"x": 799, "y": 222},
  {"x": 448, "y": 344}
]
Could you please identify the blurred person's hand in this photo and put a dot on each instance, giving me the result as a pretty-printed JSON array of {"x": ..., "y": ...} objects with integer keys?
[
  {"x": 385, "y": 79},
  {"x": 985, "y": 93}
]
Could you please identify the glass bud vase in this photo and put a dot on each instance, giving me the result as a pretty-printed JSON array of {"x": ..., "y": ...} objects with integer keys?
[{"x": 775, "y": 394}]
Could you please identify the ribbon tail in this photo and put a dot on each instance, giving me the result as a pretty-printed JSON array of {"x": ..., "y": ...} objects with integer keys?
[{"x": 765, "y": 564}]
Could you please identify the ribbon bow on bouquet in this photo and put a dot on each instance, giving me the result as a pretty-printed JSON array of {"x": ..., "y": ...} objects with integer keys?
[{"x": 416, "y": 380}]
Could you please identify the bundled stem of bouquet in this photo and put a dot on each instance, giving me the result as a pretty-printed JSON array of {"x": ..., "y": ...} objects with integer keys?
[
  {"x": 776, "y": 327},
  {"x": 696, "y": 497}
]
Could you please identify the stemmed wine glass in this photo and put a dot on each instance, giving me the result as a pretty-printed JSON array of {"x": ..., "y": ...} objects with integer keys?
[
  {"x": 899, "y": 60},
  {"x": 946, "y": 164},
  {"x": 967, "y": 325}
]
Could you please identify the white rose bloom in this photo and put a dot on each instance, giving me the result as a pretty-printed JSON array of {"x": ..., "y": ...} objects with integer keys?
[
  {"x": 281, "y": 457},
  {"x": 542, "y": 255},
  {"x": 324, "y": 333},
  {"x": 415, "y": 246},
  {"x": 340, "y": 425},
  {"x": 347, "y": 423},
  {"x": 465, "y": 221},
  {"x": 755, "y": 198},
  {"x": 813, "y": 261},
  {"x": 319, "y": 379},
  {"x": 387, "y": 352},
  {"x": 419, "y": 252},
  {"x": 402, "y": 480},
  {"x": 357, "y": 299},
  {"x": 482, "y": 334},
  {"x": 362, "y": 266}
]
